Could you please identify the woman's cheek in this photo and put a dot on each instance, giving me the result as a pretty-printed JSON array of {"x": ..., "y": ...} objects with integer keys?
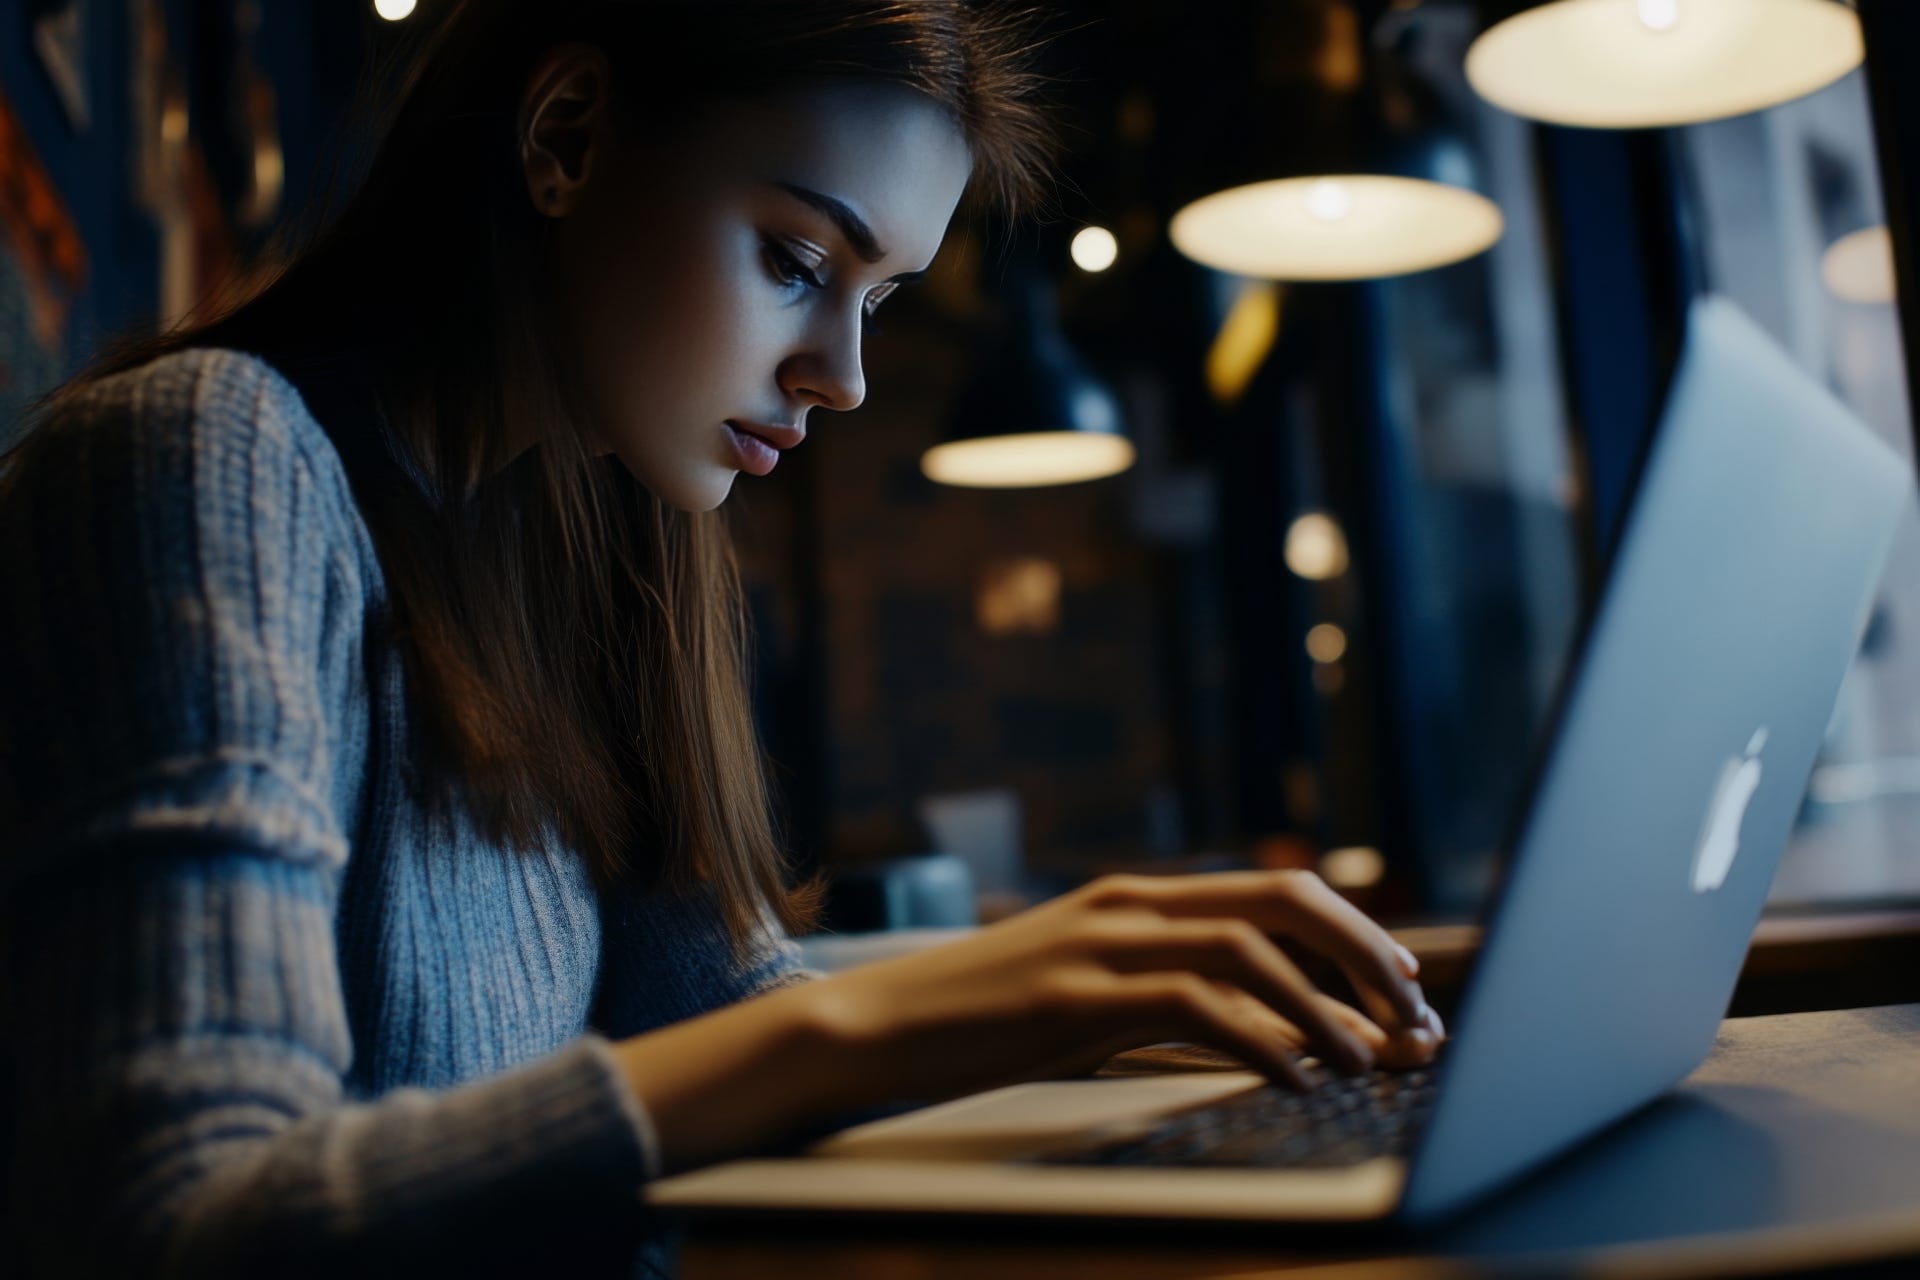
[{"x": 750, "y": 324}]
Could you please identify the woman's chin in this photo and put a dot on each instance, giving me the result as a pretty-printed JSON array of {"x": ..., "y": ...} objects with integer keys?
[
  {"x": 711, "y": 494},
  {"x": 689, "y": 493}
]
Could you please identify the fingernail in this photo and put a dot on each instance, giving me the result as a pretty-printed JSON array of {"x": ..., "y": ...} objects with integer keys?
[
  {"x": 1312, "y": 1076},
  {"x": 1434, "y": 1024},
  {"x": 1409, "y": 962}
]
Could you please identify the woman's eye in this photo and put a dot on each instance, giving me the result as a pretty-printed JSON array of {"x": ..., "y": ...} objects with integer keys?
[
  {"x": 874, "y": 300},
  {"x": 789, "y": 269}
]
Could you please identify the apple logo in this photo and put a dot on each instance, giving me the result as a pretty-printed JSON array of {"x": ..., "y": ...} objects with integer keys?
[{"x": 1720, "y": 837}]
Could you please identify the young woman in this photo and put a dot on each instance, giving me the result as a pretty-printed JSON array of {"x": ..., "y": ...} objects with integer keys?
[{"x": 389, "y": 877}]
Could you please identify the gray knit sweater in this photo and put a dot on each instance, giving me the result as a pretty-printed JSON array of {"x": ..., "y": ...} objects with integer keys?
[{"x": 257, "y": 1016}]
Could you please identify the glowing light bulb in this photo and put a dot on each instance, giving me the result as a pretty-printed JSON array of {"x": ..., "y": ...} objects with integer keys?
[
  {"x": 1326, "y": 643},
  {"x": 393, "y": 10},
  {"x": 1316, "y": 549},
  {"x": 1859, "y": 267},
  {"x": 1329, "y": 200},
  {"x": 1354, "y": 867},
  {"x": 1659, "y": 15},
  {"x": 1245, "y": 340},
  {"x": 1094, "y": 249}
]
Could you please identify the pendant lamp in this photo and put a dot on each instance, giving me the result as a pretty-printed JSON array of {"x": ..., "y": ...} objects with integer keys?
[
  {"x": 1416, "y": 209},
  {"x": 1635, "y": 64},
  {"x": 1336, "y": 227},
  {"x": 1032, "y": 413}
]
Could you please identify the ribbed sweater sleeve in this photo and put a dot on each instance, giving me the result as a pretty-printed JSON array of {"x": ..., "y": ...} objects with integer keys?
[{"x": 177, "y": 592}]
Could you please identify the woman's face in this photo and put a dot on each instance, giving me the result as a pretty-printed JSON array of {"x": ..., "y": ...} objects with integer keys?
[{"x": 725, "y": 275}]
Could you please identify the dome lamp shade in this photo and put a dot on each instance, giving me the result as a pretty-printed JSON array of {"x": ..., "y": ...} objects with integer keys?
[
  {"x": 1032, "y": 413},
  {"x": 1637, "y": 64},
  {"x": 1336, "y": 227}
]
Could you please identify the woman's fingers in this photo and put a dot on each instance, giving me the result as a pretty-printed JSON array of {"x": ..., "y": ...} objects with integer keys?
[
  {"x": 1295, "y": 903},
  {"x": 1399, "y": 1050},
  {"x": 1377, "y": 1005},
  {"x": 1409, "y": 963},
  {"x": 1359, "y": 1023},
  {"x": 1365, "y": 952},
  {"x": 1206, "y": 1012},
  {"x": 1405, "y": 1049},
  {"x": 1234, "y": 952}
]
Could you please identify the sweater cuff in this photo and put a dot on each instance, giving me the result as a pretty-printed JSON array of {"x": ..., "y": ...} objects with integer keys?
[
  {"x": 638, "y": 1119},
  {"x": 564, "y": 1120}
]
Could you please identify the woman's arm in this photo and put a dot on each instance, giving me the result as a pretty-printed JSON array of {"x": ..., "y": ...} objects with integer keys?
[
  {"x": 179, "y": 616},
  {"x": 177, "y": 1043},
  {"x": 1123, "y": 962}
]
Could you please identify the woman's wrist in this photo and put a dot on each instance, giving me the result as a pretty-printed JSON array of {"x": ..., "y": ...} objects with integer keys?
[{"x": 747, "y": 1076}]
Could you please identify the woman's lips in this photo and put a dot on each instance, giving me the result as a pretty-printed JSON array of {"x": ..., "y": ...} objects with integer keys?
[
  {"x": 780, "y": 437},
  {"x": 754, "y": 455}
]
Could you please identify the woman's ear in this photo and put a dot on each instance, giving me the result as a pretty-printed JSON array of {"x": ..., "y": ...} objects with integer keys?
[{"x": 563, "y": 113}]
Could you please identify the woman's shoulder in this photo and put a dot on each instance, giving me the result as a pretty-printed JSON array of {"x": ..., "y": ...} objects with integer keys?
[
  {"x": 181, "y": 589},
  {"x": 225, "y": 395},
  {"x": 214, "y": 429}
]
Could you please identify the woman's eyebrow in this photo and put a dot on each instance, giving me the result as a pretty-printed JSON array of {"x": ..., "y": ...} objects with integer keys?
[{"x": 859, "y": 235}]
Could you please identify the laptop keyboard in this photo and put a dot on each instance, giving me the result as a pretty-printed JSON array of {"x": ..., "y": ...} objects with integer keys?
[{"x": 1346, "y": 1120}]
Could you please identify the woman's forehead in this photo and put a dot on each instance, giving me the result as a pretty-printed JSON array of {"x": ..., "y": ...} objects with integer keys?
[{"x": 892, "y": 156}]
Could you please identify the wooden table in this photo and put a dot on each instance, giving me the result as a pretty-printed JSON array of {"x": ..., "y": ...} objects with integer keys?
[{"x": 1798, "y": 961}]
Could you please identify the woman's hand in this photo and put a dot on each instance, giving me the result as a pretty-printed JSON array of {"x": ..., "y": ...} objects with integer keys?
[
  {"x": 1127, "y": 961},
  {"x": 1123, "y": 962}
]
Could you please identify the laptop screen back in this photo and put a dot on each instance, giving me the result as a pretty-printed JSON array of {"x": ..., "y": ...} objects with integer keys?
[{"x": 1682, "y": 749}]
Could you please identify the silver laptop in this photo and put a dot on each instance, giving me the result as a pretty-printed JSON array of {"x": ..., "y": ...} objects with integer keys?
[{"x": 1680, "y": 751}]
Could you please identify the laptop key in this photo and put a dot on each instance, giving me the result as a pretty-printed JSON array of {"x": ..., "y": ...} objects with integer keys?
[{"x": 1345, "y": 1121}]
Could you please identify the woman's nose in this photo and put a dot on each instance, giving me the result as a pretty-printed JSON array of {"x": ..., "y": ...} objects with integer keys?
[{"x": 829, "y": 372}]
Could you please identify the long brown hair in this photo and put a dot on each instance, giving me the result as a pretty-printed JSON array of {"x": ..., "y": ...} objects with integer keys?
[{"x": 577, "y": 650}]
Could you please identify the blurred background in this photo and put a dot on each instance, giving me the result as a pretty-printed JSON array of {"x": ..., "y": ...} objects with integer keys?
[{"x": 1319, "y": 615}]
